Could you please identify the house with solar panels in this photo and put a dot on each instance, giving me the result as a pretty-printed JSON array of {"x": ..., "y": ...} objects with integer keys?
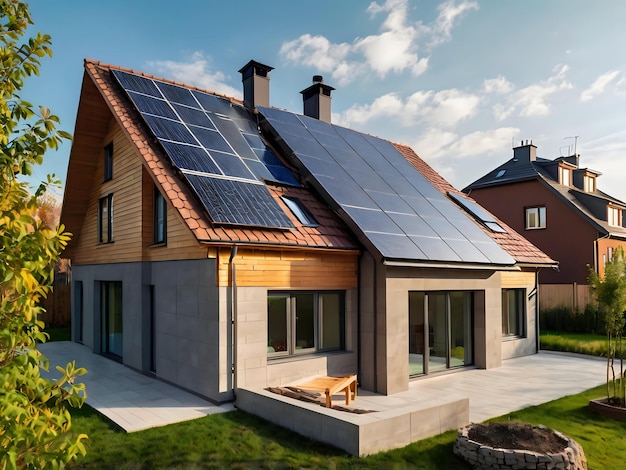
[
  {"x": 557, "y": 205},
  {"x": 223, "y": 244}
]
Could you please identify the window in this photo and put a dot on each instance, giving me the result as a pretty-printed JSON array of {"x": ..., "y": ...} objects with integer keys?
[
  {"x": 513, "y": 312},
  {"x": 108, "y": 162},
  {"x": 535, "y": 218},
  {"x": 160, "y": 217},
  {"x": 301, "y": 212},
  {"x": 565, "y": 176},
  {"x": 112, "y": 340},
  {"x": 609, "y": 252},
  {"x": 614, "y": 216},
  {"x": 589, "y": 183},
  {"x": 304, "y": 322},
  {"x": 105, "y": 219}
]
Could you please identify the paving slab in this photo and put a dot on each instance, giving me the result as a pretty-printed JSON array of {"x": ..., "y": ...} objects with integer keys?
[{"x": 131, "y": 400}]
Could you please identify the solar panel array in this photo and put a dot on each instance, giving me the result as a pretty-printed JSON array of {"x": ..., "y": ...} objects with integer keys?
[
  {"x": 478, "y": 212},
  {"x": 216, "y": 145},
  {"x": 393, "y": 206}
]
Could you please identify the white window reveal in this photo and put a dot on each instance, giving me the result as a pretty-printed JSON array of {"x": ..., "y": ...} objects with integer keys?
[{"x": 535, "y": 218}]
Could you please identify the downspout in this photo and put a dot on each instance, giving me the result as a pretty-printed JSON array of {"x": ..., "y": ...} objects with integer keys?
[
  {"x": 233, "y": 315},
  {"x": 537, "y": 326},
  {"x": 375, "y": 311}
]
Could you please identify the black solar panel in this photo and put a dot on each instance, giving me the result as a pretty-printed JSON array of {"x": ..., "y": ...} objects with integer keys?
[
  {"x": 211, "y": 141},
  {"x": 382, "y": 196},
  {"x": 478, "y": 212}
]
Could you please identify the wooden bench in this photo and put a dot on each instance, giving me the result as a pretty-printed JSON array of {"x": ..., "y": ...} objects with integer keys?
[{"x": 331, "y": 386}]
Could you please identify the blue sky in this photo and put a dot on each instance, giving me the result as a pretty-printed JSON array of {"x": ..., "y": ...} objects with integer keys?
[{"x": 459, "y": 81}]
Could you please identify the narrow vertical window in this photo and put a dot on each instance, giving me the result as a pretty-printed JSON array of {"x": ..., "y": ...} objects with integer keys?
[
  {"x": 160, "y": 217},
  {"x": 108, "y": 162},
  {"x": 105, "y": 219},
  {"x": 513, "y": 312},
  {"x": 614, "y": 216}
]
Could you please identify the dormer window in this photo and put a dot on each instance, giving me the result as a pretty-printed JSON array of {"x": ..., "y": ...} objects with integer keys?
[
  {"x": 589, "y": 183},
  {"x": 565, "y": 176},
  {"x": 614, "y": 216}
]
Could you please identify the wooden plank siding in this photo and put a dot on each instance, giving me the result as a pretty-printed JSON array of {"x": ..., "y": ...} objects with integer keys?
[
  {"x": 289, "y": 269},
  {"x": 513, "y": 279}
]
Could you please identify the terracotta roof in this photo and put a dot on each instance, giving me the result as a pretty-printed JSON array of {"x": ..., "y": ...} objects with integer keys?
[
  {"x": 331, "y": 233},
  {"x": 512, "y": 242}
]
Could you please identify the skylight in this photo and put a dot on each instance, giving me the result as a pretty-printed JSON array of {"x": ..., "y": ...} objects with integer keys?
[
  {"x": 301, "y": 212},
  {"x": 500, "y": 173},
  {"x": 478, "y": 213}
]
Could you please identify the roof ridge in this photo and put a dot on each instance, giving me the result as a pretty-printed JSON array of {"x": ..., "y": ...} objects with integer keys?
[{"x": 105, "y": 66}]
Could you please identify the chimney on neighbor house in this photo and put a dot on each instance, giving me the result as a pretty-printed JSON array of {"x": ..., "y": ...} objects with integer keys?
[
  {"x": 317, "y": 99},
  {"x": 256, "y": 84},
  {"x": 526, "y": 152}
]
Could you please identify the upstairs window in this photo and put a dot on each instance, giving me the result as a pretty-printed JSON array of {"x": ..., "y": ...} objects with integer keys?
[
  {"x": 160, "y": 217},
  {"x": 535, "y": 218},
  {"x": 108, "y": 162},
  {"x": 614, "y": 216},
  {"x": 565, "y": 176},
  {"x": 105, "y": 219},
  {"x": 589, "y": 183}
]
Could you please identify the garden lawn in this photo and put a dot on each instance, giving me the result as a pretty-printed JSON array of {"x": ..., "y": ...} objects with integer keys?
[
  {"x": 239, "y": 440},
  {"x": 583, "y": 343}
]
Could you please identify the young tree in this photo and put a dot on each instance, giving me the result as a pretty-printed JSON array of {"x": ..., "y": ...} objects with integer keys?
[
  {"x": 34, "y": 417},
  {"x": 610, "y": 293}
]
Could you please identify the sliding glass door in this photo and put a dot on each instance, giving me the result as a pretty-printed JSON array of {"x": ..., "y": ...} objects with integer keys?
[{"x": 440, "y": 331}]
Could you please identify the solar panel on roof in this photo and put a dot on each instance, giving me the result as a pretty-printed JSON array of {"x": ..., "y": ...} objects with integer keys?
[
  {"x": 381, "y": 194},
  {"x": 203, "y": 133},
  {"x": 477, "y": 212}
]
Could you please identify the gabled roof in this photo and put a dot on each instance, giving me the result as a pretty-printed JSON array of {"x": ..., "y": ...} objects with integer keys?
[
  {"x": 224, "y": 169},
  {"x": 523, "y": 251},
  {"x": 591, "y": 206},
  {"x": 101, "y": 97}
]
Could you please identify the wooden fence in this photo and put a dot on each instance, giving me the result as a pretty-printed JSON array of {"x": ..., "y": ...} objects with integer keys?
[
  {"x": 58, "y": 303},
  {"x": 574, "y": 296}
]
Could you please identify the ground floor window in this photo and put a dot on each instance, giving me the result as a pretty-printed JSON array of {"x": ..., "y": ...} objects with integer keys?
[
  {"x": 441, "y": 328},
  {"x": 111, "y": 317},
  {"x": 513, "y": 312},
  {"x": 302, "y": 322}
]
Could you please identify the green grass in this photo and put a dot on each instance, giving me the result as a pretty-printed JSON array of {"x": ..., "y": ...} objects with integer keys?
[
  {"x": 240, "y": 441},
  {"x": 583, "y": 343}
]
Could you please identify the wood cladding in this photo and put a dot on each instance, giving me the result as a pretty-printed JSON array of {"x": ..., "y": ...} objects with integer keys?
[
  {"x": 513, "y": 279},
  {"x": 289, "y": 269}
]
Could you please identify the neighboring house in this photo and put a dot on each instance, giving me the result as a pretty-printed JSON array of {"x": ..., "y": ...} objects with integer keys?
[
  {"x": 556, "y": 204},
  {"x": 222, "y": 244}
]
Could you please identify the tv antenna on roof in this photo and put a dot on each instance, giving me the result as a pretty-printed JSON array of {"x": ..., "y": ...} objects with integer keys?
[{"x": 575, "y": 137}]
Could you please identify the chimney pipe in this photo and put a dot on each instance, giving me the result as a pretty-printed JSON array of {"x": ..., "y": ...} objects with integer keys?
[
  {"x": 317, "y": 99},
  {"x": 256, "y": 84}
]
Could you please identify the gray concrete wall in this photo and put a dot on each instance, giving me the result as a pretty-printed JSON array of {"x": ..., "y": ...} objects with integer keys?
[{"x": 187, "y": 320}]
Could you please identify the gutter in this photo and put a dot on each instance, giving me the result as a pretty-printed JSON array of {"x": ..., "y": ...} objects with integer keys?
[{"x": 482, "y": 267}]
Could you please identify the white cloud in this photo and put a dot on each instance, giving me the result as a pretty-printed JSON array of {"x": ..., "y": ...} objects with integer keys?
[
  {"x": 533, "y": 99},
  {"x": 445, "y": 108},
  {"x": 499, "y": 85},
  {"x": 195, "y": 72},
  {"x": 600, "y": 85},
  {"x": 394, "y": 49}
]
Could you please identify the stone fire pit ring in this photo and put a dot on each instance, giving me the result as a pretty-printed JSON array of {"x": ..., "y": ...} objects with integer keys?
[{"x": 484, "y": 457}]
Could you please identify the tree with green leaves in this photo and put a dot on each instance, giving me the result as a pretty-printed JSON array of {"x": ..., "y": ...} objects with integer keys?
[
  {"x": 610, "y": 293},
  {"x": 34, "y": 410}
]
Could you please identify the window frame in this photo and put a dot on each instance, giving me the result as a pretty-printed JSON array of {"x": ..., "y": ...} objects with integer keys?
[
  {"x": 159, "y": 218},
  {"x": 108, "y": 162},
  {"x": 520, "y": 314},
  {"x": 105, "y": 206},
  {"x": 541, "y": 215},
  {"x": 614, "y": 216},
  {"x": 291, "y": 348},
  {"x": 563, "y": 171},
  {"x": 303, "y": 215},
  {"x": 589, "y": 183}
]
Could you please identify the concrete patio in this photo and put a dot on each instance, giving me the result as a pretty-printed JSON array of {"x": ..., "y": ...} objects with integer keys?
[{"x": 431, "y": 405}]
